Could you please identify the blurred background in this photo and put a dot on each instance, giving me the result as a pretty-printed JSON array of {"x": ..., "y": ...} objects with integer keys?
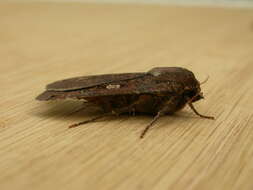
[
  {"x": 240, "y": 3},
  {"x": 47, "y": 40}
]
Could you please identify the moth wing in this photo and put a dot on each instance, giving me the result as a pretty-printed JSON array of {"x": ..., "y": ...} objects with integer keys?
[
  {"x": 90, "y": 81},
  {"x": 143, "y": 84}
]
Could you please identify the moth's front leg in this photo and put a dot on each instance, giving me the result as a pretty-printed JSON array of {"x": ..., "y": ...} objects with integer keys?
[{"x": 197, "y": 113}]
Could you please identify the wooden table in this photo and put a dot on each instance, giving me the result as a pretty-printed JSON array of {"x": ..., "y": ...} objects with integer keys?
[{"x": 41, "y": 43}]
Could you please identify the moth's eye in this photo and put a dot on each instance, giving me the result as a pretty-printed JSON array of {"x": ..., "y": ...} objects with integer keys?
[{"x": 190, "y": 93}]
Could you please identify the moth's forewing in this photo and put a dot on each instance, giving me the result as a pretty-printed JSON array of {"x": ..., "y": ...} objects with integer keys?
[
  {"x": 146, "y": 84},
  {"x": 90, "y": 81},
  {"x": 71, "y": 88}
]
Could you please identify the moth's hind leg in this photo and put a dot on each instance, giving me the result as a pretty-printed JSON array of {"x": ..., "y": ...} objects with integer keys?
[
  {"x": 111, "y": 113},
  {"x": 107, "y": 106},
  {"x": 90, "y": 120},
  {"x": 93, "y": 103}
]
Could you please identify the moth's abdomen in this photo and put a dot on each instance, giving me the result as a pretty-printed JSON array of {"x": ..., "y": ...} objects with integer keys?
[{"x": 145, "y": 103}]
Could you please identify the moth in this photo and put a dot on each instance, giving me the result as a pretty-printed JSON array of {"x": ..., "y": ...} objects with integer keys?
[{"x": 158, "y": 92}]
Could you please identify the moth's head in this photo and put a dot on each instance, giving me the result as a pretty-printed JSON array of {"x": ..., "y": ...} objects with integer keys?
[{"x": 193, "y": 93}]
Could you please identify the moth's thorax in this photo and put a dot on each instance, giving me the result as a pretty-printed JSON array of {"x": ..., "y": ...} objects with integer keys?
[{"x": 178, "y": 75}]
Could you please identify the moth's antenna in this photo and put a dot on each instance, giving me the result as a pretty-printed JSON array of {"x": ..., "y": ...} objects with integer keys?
[{"x": 205, "y": 80}]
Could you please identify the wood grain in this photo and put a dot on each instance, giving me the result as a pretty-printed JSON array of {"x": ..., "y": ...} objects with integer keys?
[{"x": 41, "y": 43}]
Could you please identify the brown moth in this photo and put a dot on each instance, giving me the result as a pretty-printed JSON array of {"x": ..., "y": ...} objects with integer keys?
[{"x": 160, "y": 91}]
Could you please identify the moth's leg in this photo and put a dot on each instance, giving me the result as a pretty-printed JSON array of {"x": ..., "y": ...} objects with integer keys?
[
  {"x": 114, "y": 112},
  {"x": 168, "y": 107},
  {"x": 158, "y": 115},
  {"x": 197, "y": 113},
  {"x": 91, "y": 120}
]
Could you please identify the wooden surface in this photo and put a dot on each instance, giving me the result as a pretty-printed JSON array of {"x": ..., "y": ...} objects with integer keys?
[{"x": 41, "y": 43}]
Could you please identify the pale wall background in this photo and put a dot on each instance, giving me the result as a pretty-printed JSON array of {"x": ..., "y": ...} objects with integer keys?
[{"x": 240, "y": 3}]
